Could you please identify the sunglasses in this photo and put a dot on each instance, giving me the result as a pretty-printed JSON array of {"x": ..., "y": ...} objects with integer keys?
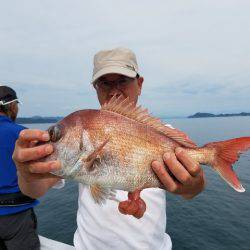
[{"x": 120, "y": 83}]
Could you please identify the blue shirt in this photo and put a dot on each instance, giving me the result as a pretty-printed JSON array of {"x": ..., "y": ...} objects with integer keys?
[{"x": 9, "y": 132}]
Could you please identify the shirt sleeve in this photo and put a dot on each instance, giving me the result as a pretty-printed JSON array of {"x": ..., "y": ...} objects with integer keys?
[{"x": 19, "y": 128}]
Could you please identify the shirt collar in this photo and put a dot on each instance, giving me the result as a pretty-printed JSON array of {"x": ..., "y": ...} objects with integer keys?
[{"x": 5, "y": 118}]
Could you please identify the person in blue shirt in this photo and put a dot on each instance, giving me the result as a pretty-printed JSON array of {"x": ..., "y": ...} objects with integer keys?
[{"x": 17, "y": 218}]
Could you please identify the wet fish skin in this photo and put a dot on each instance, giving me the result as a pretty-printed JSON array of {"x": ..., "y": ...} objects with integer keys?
[
  {"x": 113, "y": 148},
  {"x": 125, "y": 161}
]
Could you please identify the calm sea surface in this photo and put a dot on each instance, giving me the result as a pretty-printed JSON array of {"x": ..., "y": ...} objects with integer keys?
[{"x": 219, "y": 218}]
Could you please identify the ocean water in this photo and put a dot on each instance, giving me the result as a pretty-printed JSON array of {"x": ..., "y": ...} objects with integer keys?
[{"x": 218, "y": 218}]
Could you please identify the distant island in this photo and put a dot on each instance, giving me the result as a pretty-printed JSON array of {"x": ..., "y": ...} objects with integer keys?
[
  {"x": 38, "y": 119},
  {"x": 54, "y": 119},
  {"x": 206, "y": 115}
]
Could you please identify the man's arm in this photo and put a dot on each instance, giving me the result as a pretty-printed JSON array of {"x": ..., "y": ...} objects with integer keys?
[
  {"x": 187, "y": 177},
  {"x": 34, "y": 178}
]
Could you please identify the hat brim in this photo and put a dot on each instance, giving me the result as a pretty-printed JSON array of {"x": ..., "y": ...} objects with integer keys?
[{"x": 113, "y": 70}]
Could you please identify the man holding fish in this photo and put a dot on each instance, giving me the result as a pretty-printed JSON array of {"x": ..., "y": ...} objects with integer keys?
[{"x": 115, "y": 76}]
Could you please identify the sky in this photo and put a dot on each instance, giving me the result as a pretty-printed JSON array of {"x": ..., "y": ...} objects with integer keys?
[{"x": 194, "y": 55}]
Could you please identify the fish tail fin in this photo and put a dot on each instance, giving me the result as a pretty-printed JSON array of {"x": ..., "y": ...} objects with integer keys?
[{"x": 227, "y": 153}]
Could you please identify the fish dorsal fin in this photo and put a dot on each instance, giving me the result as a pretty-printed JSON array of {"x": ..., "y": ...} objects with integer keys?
[{"x": 139, "y": 114}]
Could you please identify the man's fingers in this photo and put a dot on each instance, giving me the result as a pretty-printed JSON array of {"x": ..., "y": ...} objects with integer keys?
[
  {"x": 176, "y": 168},
  {"x": 44, "y": 167},
  {"x": 192, "y": 166},
  {"x": 31, "y": 154},
  {"x": 33, "y": 144},
  {"x": 165, "y": 178},
  {"x": 28, "y": 135},
  {"x": 31, "y": 177}
]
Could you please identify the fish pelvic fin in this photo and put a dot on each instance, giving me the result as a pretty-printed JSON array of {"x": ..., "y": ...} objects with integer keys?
[
  {"x": 226, "y": 154},
  {"x": 127, "y": 108},
  {"x": 101, "y": 194},
  {"x": 89, "y": 160}
]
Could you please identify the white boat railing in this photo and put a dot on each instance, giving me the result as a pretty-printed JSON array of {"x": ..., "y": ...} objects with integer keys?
[{"x": 48, "y": 244}]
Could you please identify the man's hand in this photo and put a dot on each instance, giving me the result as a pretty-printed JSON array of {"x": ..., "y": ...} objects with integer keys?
[
  {"x": 185, "y": 176},
  {"x": 34, "y": 177}
]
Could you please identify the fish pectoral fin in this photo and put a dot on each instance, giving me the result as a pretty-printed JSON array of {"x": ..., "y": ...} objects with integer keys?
[
  {"x": 89, "y": 160},
  {"x": 101, "y": 194}
]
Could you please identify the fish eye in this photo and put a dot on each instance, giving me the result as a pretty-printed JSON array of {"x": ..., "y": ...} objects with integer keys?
[{"x": 54, "y": 133}]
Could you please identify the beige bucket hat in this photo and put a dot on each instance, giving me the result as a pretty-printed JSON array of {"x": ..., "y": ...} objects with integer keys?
[{"x": 119, "y": 61}]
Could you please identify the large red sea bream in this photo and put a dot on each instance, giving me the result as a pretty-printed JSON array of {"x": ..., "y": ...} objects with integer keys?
[{"x": 113, "y": 148}]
